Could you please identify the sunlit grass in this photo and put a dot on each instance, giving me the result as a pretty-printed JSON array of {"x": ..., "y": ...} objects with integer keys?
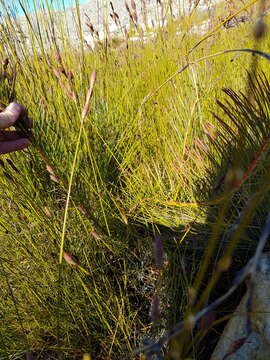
[{"x": 137, "y": 168}]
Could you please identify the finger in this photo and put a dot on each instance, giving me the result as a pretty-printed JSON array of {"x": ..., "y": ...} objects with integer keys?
[
  {"x": 10, "y": 115},
  {"x": 11, "y": 135},
  {"x": 10, "y": 146}
]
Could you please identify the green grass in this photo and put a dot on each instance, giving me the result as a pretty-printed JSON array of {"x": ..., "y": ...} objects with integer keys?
[{"x": 132, "y": 168}]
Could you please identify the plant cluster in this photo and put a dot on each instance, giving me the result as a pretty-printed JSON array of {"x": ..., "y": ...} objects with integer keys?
[{"x": 129, "y": 147}]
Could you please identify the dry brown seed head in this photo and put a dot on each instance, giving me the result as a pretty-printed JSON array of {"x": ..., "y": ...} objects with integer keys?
[
  {"x": 133, "y": 5},
  {"x": 50, "y": 169},
  {"x": 68, "y": 90},
  {"x": 62, "y": 70},
  {"x": 54, "y": 178},
  {"x": 58, "y": 58},
  {"x": 90, "y": 27},
  {"x": 70, "y": 75},
  {"x": 56, "y": 73},
  {"x": 81, "y": 209},
  {"x": 47, "y": 211},
  {"x": 126, "y": 32},
  {"x": 96, "y": 235},
  {"x": 135, "y": 17},
  {"x": 127, "y": 7},
  {"x": 116, "y": 19},
  {"x": 69, "y": 259},
  {"x": 89, "y": 94}
]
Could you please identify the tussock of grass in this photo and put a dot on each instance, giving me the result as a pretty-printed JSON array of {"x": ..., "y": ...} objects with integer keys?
[{"x": 138, "y": 167}]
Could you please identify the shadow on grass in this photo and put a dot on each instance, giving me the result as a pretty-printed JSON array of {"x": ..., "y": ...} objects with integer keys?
[{"x": 202, "y": 267}]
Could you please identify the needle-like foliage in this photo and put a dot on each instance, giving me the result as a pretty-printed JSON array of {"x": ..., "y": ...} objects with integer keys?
[{"x": 80, "y": 206}]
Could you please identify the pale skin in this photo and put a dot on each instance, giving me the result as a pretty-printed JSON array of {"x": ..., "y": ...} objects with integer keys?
[{"x": 13, "y": 140}]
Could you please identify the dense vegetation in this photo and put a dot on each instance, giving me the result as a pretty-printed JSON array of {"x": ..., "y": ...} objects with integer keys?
[{"x": 153, "y": 158}]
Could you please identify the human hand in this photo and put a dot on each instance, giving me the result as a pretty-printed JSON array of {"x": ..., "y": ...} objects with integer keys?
[{"x": 13, "y": 140}]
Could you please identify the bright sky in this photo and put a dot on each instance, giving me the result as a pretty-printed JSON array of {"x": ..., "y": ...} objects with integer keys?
[{"x": 30, "y": 3}]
